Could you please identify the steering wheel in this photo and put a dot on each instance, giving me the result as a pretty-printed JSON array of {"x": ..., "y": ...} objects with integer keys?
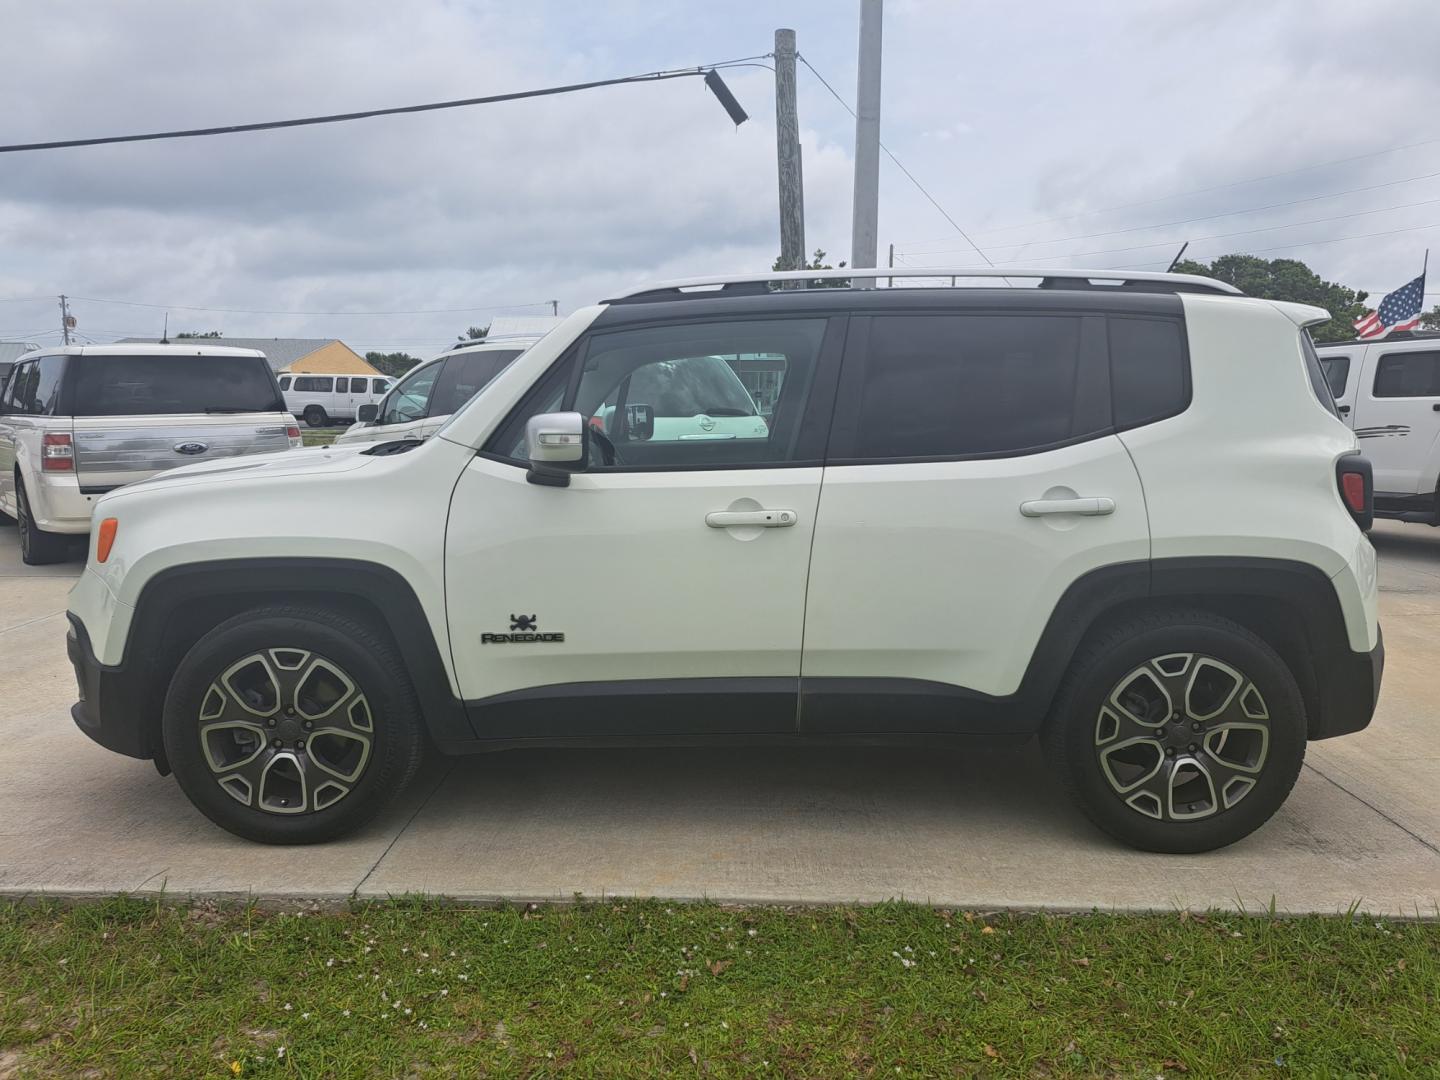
[{"x": 607, "y": 448}]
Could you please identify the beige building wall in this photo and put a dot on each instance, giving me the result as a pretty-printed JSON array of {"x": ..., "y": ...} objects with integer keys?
[{"x": 336, "y": 358}]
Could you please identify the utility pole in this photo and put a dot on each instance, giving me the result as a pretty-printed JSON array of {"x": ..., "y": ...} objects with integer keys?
[
  {"x": 787, "y": 156},
  {"x": 865, "y": 228},
  {"x": 555, "y": 308},
  {"x": 66, "y": 322}
]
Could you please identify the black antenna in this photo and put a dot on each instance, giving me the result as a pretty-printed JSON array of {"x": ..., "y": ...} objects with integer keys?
[
  {"x": 1176, "y": 260},
  {"x": 165, "y": 334}
]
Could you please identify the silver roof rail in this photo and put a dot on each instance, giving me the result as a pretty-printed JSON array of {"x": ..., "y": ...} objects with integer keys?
[{"x": 1049, "y": 277}]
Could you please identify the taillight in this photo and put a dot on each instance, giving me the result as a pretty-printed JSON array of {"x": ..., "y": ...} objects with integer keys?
[
  {"x": 294, "y": 435},
  {"x": 57, "y": 454},
  {"x": 1357, "y": 488}
]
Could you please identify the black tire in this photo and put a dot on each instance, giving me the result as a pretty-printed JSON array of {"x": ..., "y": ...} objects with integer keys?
[
  {"x": 37, "y": 547},
  {"x": 315, "y": 416},
  {"x": 366, "y": 658},
  {"x": 1086, "y": 727}
]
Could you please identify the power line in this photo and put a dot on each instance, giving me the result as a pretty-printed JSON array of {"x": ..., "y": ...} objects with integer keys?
[
  {"x": 1207, "y": 217},
  {"x": 1225, "y": 235},
  {"x": 908, "y": 174},
  {"x": 261, "y": 311},
  {"x": 335, "y": 118},
  {"x": 1206, "y": 190}
]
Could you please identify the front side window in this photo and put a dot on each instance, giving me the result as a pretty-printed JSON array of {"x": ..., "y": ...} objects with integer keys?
[
  {"x": 684, "y": 395},
  {"x": 1336, "y": 368},
  {"x": 1408, "y": 374},
  {"x": 379, "y": 386},
  {"x": 157, "y": 385},
  {"x": 949, "y": 386},
  {"x": 410, "y": 400},
  {"x": 465, "y": 376}
]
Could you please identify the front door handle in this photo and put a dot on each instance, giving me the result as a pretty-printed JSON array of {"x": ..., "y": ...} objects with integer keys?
[
  {"x": 1088, "y": 507},
  {"x": 766, "y": 519}
]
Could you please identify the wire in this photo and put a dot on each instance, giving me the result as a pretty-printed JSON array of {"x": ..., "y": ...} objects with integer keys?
[
  {"x": 908, "y": 174},
  {"x": 261, "y": 311},
  {"x": 1207, "y": 217},
  {"x": 335, "y": 118},
  {"x": 1205, "y": 190},
  {"x": 27, "y": 299}
]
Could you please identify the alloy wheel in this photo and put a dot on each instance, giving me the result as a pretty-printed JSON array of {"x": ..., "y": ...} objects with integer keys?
[
  {"x": 1182, "y": 737},
  {"x": 286, "y": 731}
]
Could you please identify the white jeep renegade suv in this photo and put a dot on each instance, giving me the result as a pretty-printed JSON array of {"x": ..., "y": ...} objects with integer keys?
[{"x": 1122, "y": 515}]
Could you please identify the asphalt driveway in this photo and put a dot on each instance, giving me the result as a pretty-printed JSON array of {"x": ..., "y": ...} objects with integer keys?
[{"x": 977, "y": 827}]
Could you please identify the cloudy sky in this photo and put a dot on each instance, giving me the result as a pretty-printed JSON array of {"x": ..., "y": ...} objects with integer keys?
[{"x": 1098, "y": 134}]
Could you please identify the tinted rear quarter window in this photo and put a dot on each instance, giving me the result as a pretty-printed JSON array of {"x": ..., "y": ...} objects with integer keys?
[
  {"x": 1149, "y": 373},
  {"x": 943, "y": 386},
  {"x": 1408, "y": 374},
  {"x": 156, "y": 385}
]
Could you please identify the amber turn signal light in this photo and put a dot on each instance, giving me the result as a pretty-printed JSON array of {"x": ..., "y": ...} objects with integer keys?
[{"x": 105, "y": 539}]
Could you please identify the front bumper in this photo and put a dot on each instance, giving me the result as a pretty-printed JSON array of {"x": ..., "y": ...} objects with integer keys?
[
  {"x": 109, "y": 709},
  {"x": 1349, "y": 688}
]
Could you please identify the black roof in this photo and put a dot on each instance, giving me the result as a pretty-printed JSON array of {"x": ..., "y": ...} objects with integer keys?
[{"x": 1100, "y": 300}]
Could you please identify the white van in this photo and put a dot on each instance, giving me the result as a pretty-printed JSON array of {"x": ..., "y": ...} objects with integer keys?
[
  {"x": 320, "y": 399},
  {"x": 1389, "y": 392}
]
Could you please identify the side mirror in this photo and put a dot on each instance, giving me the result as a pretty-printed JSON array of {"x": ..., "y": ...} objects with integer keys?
[
  {"x": 556, "y": 446},
  {"x": 639, "y": 422},
  {"x": 366, "y": 414}
]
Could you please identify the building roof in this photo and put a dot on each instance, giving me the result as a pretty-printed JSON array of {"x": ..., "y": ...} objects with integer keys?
[
  {"x": 13, "y": 350},
  {"x": 281, "y": 352}
]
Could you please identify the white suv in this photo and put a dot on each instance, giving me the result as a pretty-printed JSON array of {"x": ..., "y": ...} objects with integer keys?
[{"x": 1122, "y": 516}]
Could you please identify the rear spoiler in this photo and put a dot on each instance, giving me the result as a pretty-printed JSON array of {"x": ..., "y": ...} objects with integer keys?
[{"x": 1302, "y": 315}]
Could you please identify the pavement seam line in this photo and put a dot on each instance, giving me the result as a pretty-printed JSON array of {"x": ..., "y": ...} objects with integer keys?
[
  {"x": 1365, "y": 802},
  {"x": 31, "y": 622},
  {"x": 404, "y": 828}
]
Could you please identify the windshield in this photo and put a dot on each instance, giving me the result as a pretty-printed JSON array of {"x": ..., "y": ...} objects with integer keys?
[{"x": 153, "y": 385}]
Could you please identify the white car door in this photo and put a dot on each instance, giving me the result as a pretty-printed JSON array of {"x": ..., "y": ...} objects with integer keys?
[
  {"x": 972, "y": 477},
  {"x": 1397, "y": 416},
  {"x": 634, "y": 599}
]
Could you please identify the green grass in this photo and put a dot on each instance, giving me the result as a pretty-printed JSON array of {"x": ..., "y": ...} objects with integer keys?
[
  {"x": 125, "y": 988},
  {"x": 319, "y": 436}
]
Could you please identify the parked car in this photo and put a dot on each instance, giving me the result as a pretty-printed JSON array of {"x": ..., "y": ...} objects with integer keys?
[
  {"x": 325, "y": 399},
  {"x": 80, "y": 421},
  {"x": 691, "y": 397},
  {"x": 1388, "y": 391},
  {"x": 1124, "y": 517},
  {"x": 424, "y": 398}
]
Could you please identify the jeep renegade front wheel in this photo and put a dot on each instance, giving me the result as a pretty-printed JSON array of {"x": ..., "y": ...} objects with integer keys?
[
  {"x": 292, "y": 725},
  {"x": 1178, "y": 731}
]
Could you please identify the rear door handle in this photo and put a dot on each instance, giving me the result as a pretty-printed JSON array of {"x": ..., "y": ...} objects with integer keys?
[
  {"x": 766, "y": 519},
  {"x": 1088, "y": 507}
]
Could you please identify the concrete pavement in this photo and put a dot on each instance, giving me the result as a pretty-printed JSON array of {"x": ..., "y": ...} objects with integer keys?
[{"x": 979, "y": 827}]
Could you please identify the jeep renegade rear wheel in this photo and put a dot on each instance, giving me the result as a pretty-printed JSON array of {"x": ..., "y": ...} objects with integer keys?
[
  {"x": 1178, "y": 731},
  {"x": 292, "y": 725}
]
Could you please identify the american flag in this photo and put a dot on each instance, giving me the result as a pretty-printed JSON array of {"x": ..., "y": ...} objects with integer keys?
[{"x": 1398, "y": 311}]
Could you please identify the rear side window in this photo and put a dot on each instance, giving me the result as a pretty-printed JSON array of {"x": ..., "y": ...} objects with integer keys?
[
  {"x": 342, "y": 386},
  {"x": 946, "y": 386},
  {"x": 1149, "y": 374},
  {"x": 285, "y": 382},
  {"x": 315, "y": 384},
  {"x": 465, "y": 376},
  {"x": 156, "y": 385},
  {"x": 35, "y": 388},
  {"x": 1317, "y": 375},
  {"x": 1408, "y": 374},
  {"x": 1336, "y": 367}
]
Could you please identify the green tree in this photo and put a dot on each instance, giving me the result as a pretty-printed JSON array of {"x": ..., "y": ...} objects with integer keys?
[
  {"x": 818, "y": 263},
  {"x": 1287, "y": 279},
  {"x": 475, "y": 333},
  {"x": 198, "y": 334},
  {"x": 391, "y": 363}
]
